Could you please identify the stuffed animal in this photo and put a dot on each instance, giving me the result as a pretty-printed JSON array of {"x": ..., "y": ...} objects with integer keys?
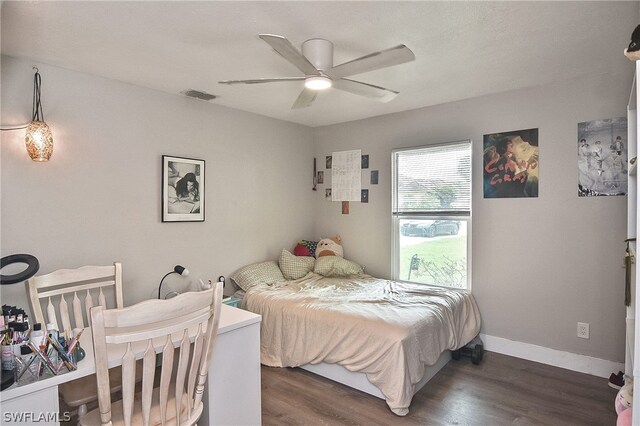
[
  {"x": 624, "y": 398},
  {"x": 633, "y": 51},
  {"x": 330, "y": 247},
  {"x": 625, "y": 418}
]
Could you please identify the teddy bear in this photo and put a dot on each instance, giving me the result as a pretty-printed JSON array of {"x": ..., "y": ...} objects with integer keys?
[{"x": 329, "y": 247}]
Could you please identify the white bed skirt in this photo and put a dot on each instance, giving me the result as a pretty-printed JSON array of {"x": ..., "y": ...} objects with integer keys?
[{"x": 359, "y": 381}]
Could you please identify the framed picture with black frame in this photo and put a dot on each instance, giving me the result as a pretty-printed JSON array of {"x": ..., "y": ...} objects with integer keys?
[{"x": 183, "y": 189}]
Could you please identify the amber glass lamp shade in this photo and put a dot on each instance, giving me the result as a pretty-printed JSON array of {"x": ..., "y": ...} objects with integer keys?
[{"x": 39, "y": 141}]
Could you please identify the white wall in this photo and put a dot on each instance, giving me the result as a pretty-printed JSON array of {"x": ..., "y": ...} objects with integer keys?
[
  {"x": 540, "y": 265},
  {"x": 98, "y": 199}
]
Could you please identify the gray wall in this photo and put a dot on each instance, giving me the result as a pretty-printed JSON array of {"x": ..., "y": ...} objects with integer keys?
[
  {"x": 98, "y": 199},
  {"x": 540, "y": 265}
]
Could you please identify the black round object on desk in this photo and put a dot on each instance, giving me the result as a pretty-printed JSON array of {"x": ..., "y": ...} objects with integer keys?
[{"x": 32, "y": 267}]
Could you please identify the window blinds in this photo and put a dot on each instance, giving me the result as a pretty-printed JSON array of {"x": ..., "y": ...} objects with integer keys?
[{"x": 433, "y": 180}]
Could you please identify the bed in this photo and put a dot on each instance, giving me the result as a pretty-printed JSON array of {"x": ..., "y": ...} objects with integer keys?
[{"x": 384, "y": 337}]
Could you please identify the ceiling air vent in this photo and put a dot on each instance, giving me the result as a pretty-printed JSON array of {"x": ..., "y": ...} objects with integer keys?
[{"x": 198, "y": 95}]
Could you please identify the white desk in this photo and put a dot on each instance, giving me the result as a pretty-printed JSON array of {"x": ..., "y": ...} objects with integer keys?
[{"x": 232, "y": 395}]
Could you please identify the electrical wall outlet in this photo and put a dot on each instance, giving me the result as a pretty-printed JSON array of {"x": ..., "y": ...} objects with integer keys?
[{"x": 583, "y": 330}]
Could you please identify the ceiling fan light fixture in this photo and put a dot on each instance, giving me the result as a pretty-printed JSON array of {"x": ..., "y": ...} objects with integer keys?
[{"x": 317, "y": 82}]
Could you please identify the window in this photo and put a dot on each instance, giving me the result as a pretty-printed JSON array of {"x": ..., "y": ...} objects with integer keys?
[{"x": 431, "y": 213}]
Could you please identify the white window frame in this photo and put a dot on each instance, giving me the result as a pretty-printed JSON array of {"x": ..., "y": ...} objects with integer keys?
[{"x": 396, "y": 217}]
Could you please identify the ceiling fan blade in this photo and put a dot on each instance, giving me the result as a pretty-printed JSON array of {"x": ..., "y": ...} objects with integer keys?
[
  {"x": 306, "y": 98},
  {"x": 382, "y": 59},
  {"x": 290, "y": 53},
  {"x": 262, "y": 80},
  {"x": 364, "y": 89}
]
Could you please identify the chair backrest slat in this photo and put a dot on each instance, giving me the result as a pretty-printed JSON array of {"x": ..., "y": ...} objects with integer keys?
[
  {"x": 210, "y": 340},
  {"x": 152, "y": 327},
  {"x": 193, "y": 373},
  {"x": 128, "y": 384},
  {"x": 76, "y": 287},
  {"x": 101, "y": 299},
  {"x": 51, "y": 314},
  {"x": 65, "y": 276},
  {"x": 88, "y": 304},
  {"x": 148, "y": 375},
  {"x": 165, "y": 378},
  {"x": 55, "y": 286},
  {"x": 64, "y": 315},
  {"x": 77, "y": 311},
  {"x": 181, "y": 373},
  {"x": 101, "y": 360},
  {"x": 169, "y": 327},
  {"x": 118, "y": 288}
]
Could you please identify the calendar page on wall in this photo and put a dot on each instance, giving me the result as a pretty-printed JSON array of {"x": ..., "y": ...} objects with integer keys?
[{"x": 346, "y": 175}]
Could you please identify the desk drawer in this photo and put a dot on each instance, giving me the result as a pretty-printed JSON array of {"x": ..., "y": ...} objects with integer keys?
[{"x": 37, "y": 408}]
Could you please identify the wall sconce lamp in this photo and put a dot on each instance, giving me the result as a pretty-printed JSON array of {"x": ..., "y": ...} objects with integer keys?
[
  {"x": 39, "y": 140},
  {"x": 180, "y": 270}
]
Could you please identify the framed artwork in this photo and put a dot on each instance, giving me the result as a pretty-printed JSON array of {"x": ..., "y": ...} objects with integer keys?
[
  {"x": 602, "y": 157},
  {"x": 328, "y": 162},
  {"x": 183, "y": 189},
  {"x": 320, "y": 177},
  {"x": 511, "y": 164},
  {"x": 365, "y": 162},
  {"x": 364, "y": 198},
  {"x": 374, "y": 177}
]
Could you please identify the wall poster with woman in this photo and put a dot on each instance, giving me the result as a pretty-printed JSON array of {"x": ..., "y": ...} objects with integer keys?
[
  {"x": 182, "y": 189},
  {"x": 511, "y": 164}
]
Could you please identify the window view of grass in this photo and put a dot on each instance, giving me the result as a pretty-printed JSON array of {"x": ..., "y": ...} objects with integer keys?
[
  {"x": 432, "y": 209},
  {"x": 438, "y": 250}
]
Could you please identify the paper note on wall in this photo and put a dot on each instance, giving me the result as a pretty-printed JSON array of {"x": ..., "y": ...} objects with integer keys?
[{"x": 346, "y": 175}]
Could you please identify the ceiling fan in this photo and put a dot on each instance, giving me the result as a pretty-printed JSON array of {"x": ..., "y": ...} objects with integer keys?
[{"x": 316, "y": 62}]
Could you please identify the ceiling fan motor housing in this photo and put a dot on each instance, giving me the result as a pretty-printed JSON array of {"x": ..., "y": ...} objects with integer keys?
[{"x": 319, "y": 52}]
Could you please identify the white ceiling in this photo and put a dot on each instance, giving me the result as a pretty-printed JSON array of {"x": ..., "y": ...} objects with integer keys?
[{"x": 462, "y": 49}]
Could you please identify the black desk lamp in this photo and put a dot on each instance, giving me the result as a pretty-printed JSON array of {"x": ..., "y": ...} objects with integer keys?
[{"x": 180, "y": 270}]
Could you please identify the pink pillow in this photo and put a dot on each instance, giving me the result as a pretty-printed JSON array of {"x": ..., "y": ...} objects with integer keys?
[{"x": 305, "y": 248}]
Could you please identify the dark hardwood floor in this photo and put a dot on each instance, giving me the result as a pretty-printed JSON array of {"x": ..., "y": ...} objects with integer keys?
[{"x": 503, "y": 390}]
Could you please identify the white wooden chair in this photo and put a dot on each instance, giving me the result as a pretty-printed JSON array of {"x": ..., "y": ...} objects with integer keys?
[
  {"x": 139, "y": 331},
  {"x": 65, "y": 291},
  {"x": 79, "y": 283}
]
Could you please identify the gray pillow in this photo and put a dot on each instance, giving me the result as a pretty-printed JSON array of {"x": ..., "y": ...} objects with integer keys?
[
  {"x": 334, "y": 266},
  {"x": 257, "y": 273},
  {"x": 294, "y": 267}
]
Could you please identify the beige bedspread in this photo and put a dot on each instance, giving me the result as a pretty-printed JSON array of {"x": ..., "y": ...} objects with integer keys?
[{"x": 391, "y": 331}]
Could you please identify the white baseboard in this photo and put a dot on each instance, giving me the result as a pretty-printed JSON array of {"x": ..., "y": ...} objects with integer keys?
[{"x": 570, "y": 361}]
